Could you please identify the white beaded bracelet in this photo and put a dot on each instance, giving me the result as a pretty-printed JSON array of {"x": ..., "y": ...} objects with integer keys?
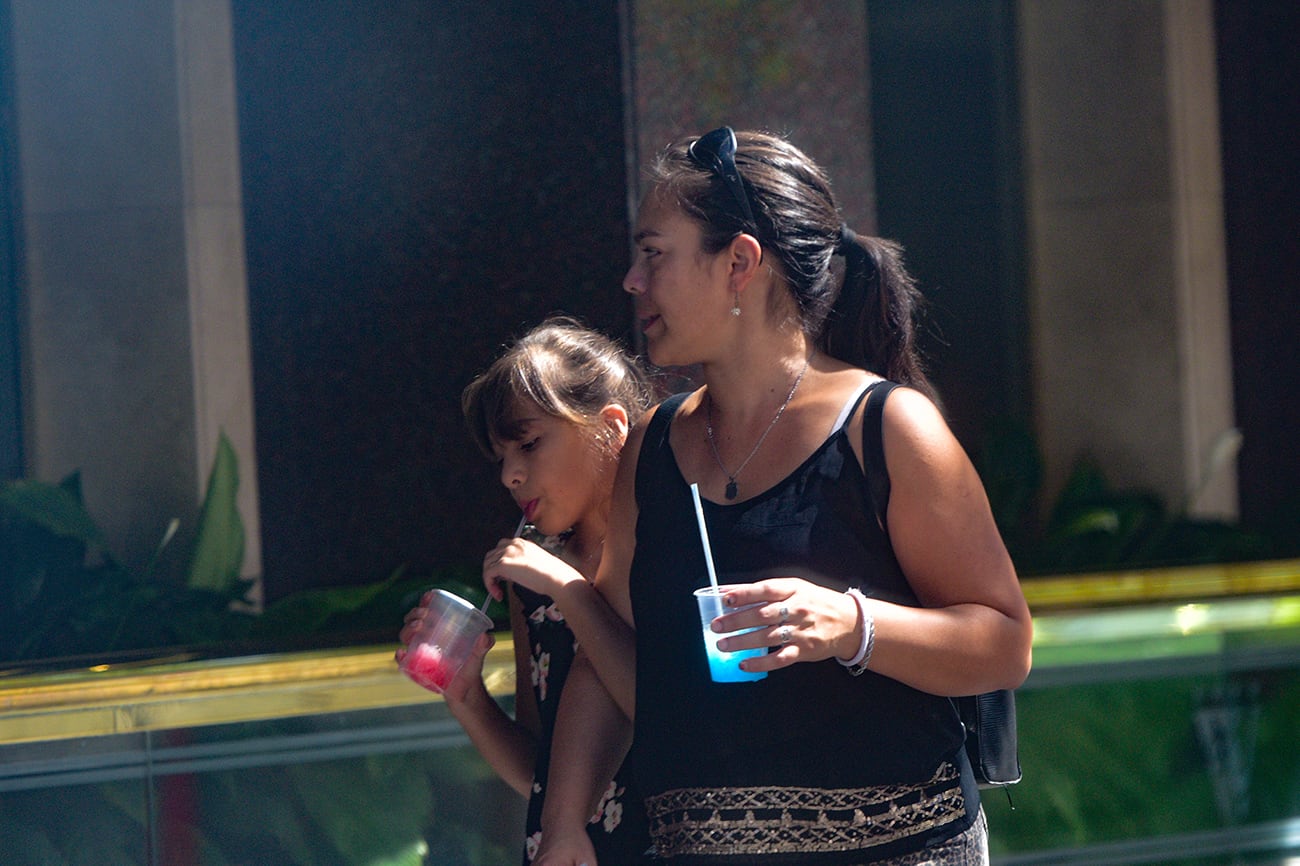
[{"x": 858, "y": 664}]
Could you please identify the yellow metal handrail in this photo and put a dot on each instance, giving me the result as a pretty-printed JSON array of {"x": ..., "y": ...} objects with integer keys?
[{"x": 105, "y": 699}]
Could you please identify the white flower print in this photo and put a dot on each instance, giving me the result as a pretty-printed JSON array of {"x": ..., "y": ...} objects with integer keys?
[
  {"x": 532, "y": 845},
  {"x": 609, "y": 812},
  {"x": 613, "y": 816},
  {"x": 540, "y": 665}
]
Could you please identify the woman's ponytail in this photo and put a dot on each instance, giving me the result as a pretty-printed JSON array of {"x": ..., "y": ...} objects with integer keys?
[{"x": 873, "y": 320}]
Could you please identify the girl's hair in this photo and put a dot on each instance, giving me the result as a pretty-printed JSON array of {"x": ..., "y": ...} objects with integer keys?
[
  {"x": 565, "y": 369},
  {"x": 867, "y": 318}
]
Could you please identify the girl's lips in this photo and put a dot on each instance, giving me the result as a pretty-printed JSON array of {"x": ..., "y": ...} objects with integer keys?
[
  {"x": 647, "y": 321},
  {"x": 528, "y": 508}
]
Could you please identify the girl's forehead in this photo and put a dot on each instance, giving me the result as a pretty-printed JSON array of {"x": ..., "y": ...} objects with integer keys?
[
  {"x": 518, "y": 411},
  {"x": 516, "y": 422}
]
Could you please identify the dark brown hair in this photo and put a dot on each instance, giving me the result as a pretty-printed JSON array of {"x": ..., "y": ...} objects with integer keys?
[
  {"x": 868, "y": 316},
  {"x": 562, "y": 367}
]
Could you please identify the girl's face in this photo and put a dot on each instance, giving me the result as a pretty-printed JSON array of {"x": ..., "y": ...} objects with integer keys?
[
  {"x": 680, "y": 292},
  {"x": 556, "y": 471}
]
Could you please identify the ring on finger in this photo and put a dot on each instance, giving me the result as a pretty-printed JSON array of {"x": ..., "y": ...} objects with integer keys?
[
  {"x": 785, "y": 614},
  {"x": 784, "y": 631}
]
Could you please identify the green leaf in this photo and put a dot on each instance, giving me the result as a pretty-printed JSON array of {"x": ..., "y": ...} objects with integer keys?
[
  {"x": 219, "y": 541},
  {"x": 54, "y": 508},
  {"x": 310, "y": 610}
]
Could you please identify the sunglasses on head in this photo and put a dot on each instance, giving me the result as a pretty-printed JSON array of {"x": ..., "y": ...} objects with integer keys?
[{"x": 716, "y": 151}]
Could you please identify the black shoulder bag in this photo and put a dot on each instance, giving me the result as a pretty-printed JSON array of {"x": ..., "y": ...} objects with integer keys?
[{"x": 989, "y": 718}]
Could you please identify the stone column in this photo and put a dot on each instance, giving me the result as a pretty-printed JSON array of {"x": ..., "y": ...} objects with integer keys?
[
  {"x": 1127, "y": 277},
  {"x": 134, "y": 327}
]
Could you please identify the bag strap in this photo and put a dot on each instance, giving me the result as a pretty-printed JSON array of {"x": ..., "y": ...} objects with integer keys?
[
  {"x": 990, "y": 718},
  {"x": 873, "y": 449}
]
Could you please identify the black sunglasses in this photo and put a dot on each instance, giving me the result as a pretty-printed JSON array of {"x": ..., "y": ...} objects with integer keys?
[{"x": 716, "y": 151}]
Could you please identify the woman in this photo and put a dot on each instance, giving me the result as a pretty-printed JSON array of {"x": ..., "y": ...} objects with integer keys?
[{"x": 737, "y": 239}]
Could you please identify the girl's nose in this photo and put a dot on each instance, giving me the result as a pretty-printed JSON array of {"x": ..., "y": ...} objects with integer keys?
[{"x": 512, "y": 473}]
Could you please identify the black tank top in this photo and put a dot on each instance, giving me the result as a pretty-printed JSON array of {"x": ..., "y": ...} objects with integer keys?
[{"x": 808, "y": 726}]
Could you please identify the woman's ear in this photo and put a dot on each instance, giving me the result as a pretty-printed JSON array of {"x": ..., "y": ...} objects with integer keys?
[
  {"x": 614, "y": 417},
  {"x": 745, "y": 255}
]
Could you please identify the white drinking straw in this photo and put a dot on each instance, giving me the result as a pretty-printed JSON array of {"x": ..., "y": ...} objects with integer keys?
[
  {"x": 523, "y": 521},
  {"x": 704, "y": 534}
]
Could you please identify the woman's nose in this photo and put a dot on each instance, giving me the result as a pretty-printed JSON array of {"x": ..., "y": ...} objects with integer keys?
[{"x": 632, "y": 283}]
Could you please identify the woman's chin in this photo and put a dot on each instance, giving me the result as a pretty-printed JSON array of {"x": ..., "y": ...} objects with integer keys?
[{"x": 661, "y": 355}]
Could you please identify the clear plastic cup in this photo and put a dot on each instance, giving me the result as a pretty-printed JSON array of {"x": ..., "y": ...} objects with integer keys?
[
  {"x": 444, "y": 641},
  {"x": 724, "y": 667}
]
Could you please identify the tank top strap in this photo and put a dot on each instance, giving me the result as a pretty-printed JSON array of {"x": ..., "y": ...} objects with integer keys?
[
  {"x": 656, "y": 434},
  {"x": 851, "y": 405}
]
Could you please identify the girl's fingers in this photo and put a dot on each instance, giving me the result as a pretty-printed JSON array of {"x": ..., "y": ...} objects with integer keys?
[{"x": 484, "y": 643}]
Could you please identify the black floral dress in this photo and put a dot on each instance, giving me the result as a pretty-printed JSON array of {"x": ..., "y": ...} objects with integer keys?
[{"x": 618, "y": 829}]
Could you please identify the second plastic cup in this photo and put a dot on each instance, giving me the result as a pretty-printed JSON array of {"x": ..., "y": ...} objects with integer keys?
[
  {"x": 444, "y": 641},
  {"x": 724, "y": 667}
]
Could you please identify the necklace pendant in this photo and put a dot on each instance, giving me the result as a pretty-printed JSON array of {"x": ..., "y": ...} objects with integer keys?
[{"x": 732, "y": 491}]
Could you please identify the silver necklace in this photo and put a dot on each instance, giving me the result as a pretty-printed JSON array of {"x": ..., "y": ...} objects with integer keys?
[{"x": 733, "y": 490}]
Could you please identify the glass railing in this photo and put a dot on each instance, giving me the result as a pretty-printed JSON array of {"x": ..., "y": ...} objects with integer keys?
[
  {"x": 1156, "y": 727},
  {"x": 1158, "y": 723}
]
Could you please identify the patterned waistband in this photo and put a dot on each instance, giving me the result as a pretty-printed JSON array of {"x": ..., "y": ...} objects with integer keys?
[{"x": 775, "y": 820}]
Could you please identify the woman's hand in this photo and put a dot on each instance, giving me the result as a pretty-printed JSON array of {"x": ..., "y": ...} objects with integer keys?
[
  {"x": 802, "y": 621},
  {"x": 517, "y": 560},
  {"x": 565, "y": 848}
]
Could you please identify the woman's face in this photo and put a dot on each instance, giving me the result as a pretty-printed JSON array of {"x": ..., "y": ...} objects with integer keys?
[
  {"x": 555, "y": 470},
  {"x": 680, "y": 292}
]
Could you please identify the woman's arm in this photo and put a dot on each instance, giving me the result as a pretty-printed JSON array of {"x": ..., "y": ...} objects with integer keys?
[
  {"x": 974, "y": 630},
  {"x": 608, "y": 634},
  {"x": 594, "y": 729},
  {"x": 591, "y": 739}
]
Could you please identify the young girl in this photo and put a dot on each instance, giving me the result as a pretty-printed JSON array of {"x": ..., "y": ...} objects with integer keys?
[
  {"x": 870, "y": 618},
  {"x": 553, "y": 411}
]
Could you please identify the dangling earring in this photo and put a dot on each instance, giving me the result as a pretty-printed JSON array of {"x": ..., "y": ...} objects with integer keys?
[{"x": 735, "y": 304}]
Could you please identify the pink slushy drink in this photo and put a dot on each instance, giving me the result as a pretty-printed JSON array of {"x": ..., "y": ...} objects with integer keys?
[
  {"x": 426, "y": 666},
  {"x": 444, "y": 641}
]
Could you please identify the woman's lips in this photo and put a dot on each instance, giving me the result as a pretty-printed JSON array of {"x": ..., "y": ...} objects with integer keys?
[{"x": 647, "y": 321}]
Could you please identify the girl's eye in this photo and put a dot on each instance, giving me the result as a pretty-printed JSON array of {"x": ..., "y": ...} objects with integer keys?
[
  {"x": 529, "y": 445},
  {"x": 649, "y": 252}
]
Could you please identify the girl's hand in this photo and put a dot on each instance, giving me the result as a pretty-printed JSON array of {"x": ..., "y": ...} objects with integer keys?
[
  {"x": 519, "y": 561},
  {"x": 412, "y": 621},
  {"x": 469, "y": 676},
  {"x": 561, "y": 848},
  {"x": 802, "y": 621}
]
